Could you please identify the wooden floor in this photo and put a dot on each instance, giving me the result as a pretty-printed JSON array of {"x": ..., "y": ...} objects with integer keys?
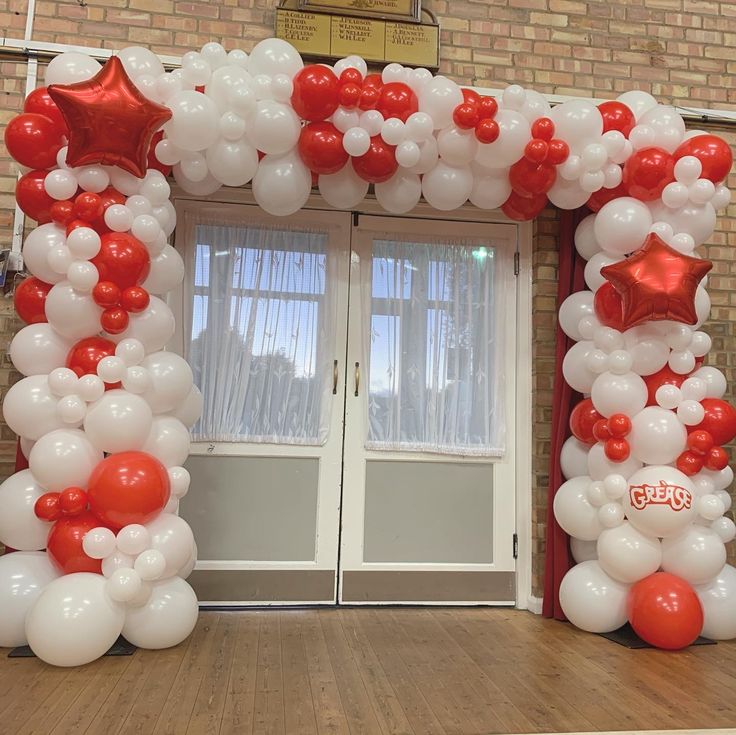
[{"x": 420, "y": 671}]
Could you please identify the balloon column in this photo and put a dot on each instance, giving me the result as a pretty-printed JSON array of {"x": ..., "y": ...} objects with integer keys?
[{"x": 103, "y": 410}]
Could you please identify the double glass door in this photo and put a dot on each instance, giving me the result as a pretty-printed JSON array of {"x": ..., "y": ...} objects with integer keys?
[{"x": 357, "y": 440}]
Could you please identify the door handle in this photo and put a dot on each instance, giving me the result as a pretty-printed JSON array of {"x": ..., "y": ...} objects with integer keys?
[
  {"x": 357, "y": 378},
  {"x": 334, "y": 378}
]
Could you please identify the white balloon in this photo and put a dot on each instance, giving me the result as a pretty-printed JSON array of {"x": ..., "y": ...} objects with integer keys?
[
  {"x": 574, "y": 458},
  {"x": 447, "y": 187},
  {"x": 234, "y": 163},
  {"x": 593, "y": 278},
  {"x": 193, "y": 124},
  {"x": 656, "y": 437},
  {"x": 585, "y": 241},
  {"x": 622, "y": 225},
  {"x": 568, "y": 194},
  {"x": 648, "y": 350},
  {"x": 63, "y": 458},
  {"x": 124, "y": 585},
  {"x": 714, "y": 379},
  {"x": 23, "y": 576},
  {"x": 82, "y": 275},
  {"x": 171, "y": 379},
  {"x": 372, "y": 122},
  {"x": 667, "y": 124},
  {"x": 583, "y": 550},
  {"x": 19, "y": 527},
  {"x": 628, "y": 555},
  {"x": 73, "y": 314},
  {"x": 419, "y": 126},
  {"x": 535, "y": 106},
  {"x": 36, "y": 248},
  {"x": 660, "y": 501},
  {"x": 509, "y": 147},
  {"x": 168, "y": 441},
  {"x": 180, "y": 479},
  {"x": 638, "y": 102},
  {"x": 457, "y": 147},
  {"x": 223, "y": 82},
  {"x": 718, "y": 599},
  {"x": 139, "y": 61},
  {"x": 428, "y": 156},
  {"x": 344, "y": 119},
  {"x": 697, "y": 555},
  {"x": 393, "y": 131},
  {"x": 575, "y": 369},
  {"x": 98, "y": 543},
  {"x": 591, "y": 600},
  {"x": 600, "y": 467},
  {"x": 166, "y": 619},
  {"x": 491, "y": 186},
  {"x": 697, "y": 220},
  {"x": 408, "y": 154},
  {"x": 274, "y": 56},
  {"x": 166, "y": 273},
  {"x": 274, "y": 127},
  {"x": 70, "y": 67},
  {"x": 619, "y": 394},
  {"x": 118, "y": 422},
  {"x": 572, "y": 310},
  {"x": 29, "y": 408},
  {"x": 438, "y": 99},
  {"x": 356, "y": 141},
  {"x": 401, "y": 193},
  {"x": 576, "y": 516},
  {"x": 74, "y": 621},
  {"x": 173, "y": 537},
  {"x": 282, "y": 184},
  {"x": 116, "y": 560},
  {"x": 577, "y": 122},
  {"x": 153, "y": 327},
  {"x": 343, "y": 190},
  {"x": 38, "y": 349}
]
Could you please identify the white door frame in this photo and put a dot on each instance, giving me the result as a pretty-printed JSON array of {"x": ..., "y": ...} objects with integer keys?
[{"x": 524, "y": 383}]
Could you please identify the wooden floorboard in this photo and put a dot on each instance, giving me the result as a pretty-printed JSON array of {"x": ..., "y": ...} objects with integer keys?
[{"x": 375, "y": 671}]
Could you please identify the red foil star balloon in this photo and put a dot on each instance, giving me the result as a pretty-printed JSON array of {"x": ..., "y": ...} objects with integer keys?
[
  {"x": 657, "y": 283},
  {"x": 109, "y": 120}
]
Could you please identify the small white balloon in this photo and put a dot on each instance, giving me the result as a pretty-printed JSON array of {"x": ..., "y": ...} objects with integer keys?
[
  {"x": 133, "y": 539},
  {"x": 99, "y": 543}
]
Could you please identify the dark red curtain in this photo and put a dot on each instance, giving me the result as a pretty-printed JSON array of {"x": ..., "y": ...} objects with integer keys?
[
  {"x": 557, "y": 555},
  {"x": 21, "y": 461}
]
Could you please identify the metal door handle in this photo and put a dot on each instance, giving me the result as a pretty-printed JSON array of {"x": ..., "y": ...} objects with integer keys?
[
  {"x": 334, "y": 378},
  {"x": 357, "y": 377}
]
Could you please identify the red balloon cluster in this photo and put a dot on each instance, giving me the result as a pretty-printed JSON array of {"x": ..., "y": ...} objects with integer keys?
[
  {"x": 665, "y": 376},
  {"x": 719, "y": 421},
  {"x": 478, "y": 113},
  {"x": 321, "y": 149},
  {"x": 647, "y": 172},
  {"x": 535, "y": 173},
  {"x": 713, "y": 153},
  {"x": 702, "y": 451},
  {"x": 665, "y": 611},
  {"x": 316, "y": 93},
  {"x": 86, "y": 354},
  {"x": 87, "y": 210},
  {"x": 30, "y": 300},
  {"x": 396, "y": 100},
  {"x": 65, "y": 544},
  {"x": 613, "y": 432},
  {"x": 608, "y": 307},
  {"x": 582, "y": 420}
]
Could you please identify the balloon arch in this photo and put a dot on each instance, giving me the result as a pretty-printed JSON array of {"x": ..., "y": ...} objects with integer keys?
[{"x": 103, "y": 411}]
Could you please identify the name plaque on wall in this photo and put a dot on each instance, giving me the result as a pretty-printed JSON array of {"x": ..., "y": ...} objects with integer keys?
[
  {"x": 391, "y": 9},
  {"x": 331, "y": 36}
]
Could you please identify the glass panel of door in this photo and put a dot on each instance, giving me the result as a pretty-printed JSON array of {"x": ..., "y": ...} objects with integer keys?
[{"x": 356, "y": 443}]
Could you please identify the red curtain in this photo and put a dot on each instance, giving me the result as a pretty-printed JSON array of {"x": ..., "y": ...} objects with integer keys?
[
  {"x": 557, "y": 554},
  {"x": 21, "y": 461}
]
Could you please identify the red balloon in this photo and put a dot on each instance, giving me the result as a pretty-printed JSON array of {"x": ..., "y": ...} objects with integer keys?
[
  {"x": 487, "y": 130},
  {"x": 543, "y": 129},
  {"x": 558, "y": 152},
  {"x": 351, "y": 75},
  {"x": 33, "y": 140},
  {"x": 609, "y": 307},
  {"x": 106, "y": 294},
  {"x": 88, "y": 207},
  {"x": 123, "y": 260},
  {"x": 719, "y": 421},
  {"x": 32, "y": 198},
  {"x": 397, "y": 100},
  {"x": 84, "y": 357},
  {"x": 603, "y": 196},
  {"x": 521, "y": 208},
  {"x": 30, "y": 300},
  {"x": 657, "y": 283},
  {"x": 716, "y": 459},
  {"x": 665, "y": 376},
  {"x": 378, "y": 164},
  {"x": 601, "y": 431},
  {"x": 110, "y": 121},
  {"x": 72, "y": 501},
  {"x": 129, "y": 487},
  {"x": 62, "y": 212},
  {"x": 617, "y": 450},
  {"x": 109, "y": 197},
  {"x": 373, "y": 80},
  {"x": 466, "y": 116},
  {"x": 488, "y": 107},
  {"x": 617, "y": 116},
  {"x": 529, "y": 179},
  {"x": 134, "y": 299},
  {"x": 153, "y": 162},
  {"x": 39, "y": 102},
  {"x": 647, "y": 172},
  {"x": 47, "y": 507},
  {"x": 65, "y": 544},
  {"x": 699, "y": 442},
  {"x": 536, "y": 150},
  {"x": 369, "y": 97},
  {"x": 619, "y": 424},
  {"x": 316, "y": 93},
  {"x": 320, "y": 147},
  {"x": 713, "y": 152},
  {"x": 664, "y": 611},
  {"x": 582, "y": 419},
  {"x": 689, "y": 463},
  {"x": 114, "y": 320},
  {"x": 470, "y": 96},
  {"x": 350, "y": 95}
]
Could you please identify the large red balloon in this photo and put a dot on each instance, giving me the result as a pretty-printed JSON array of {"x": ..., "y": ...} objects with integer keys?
[
  {"x": 84, "y": 357},
  {"x": 665, "y": 376},
  {"x": 30, "y": 300},
  {"x": 530, "y": 179},
  {"x": 397, "y": 100},
  {"x": 617, "y": 116},
  {"x": 582, "y": 420},
  {"x": 316, "y": 93},
  {"x": 719, "y": 421},
  {"x": 65, "y": 544},
  {"x": 32, "y": 198},
  {"x": 321, "y": 149},
  {"x": 647, "y": 172},
  {"x": 713, "y": 152},
  {"x": 664, "y": 611},
  {"x": 129, "y": 487},
  {"x": 521, "y": 208},
  {"x": 110, "y": 121},
  {"x": 39, "y": 102},
  {"x": 609, "y": 307},
  {"x": 122, "y": 260},
  {"x": 33, "y": 140},
  {"x": 378, "y": 164}
]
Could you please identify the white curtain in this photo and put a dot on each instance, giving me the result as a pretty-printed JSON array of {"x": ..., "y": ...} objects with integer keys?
[
  {"x": 261, "y": 330},
  {"x": 434, "y": 347}
]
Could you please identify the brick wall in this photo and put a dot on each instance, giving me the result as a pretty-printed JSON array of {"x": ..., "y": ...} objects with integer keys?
[{"x": 679, "y": 50}]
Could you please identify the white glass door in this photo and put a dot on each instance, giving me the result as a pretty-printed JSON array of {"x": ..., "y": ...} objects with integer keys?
[{"x": 428, "y": 486}]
